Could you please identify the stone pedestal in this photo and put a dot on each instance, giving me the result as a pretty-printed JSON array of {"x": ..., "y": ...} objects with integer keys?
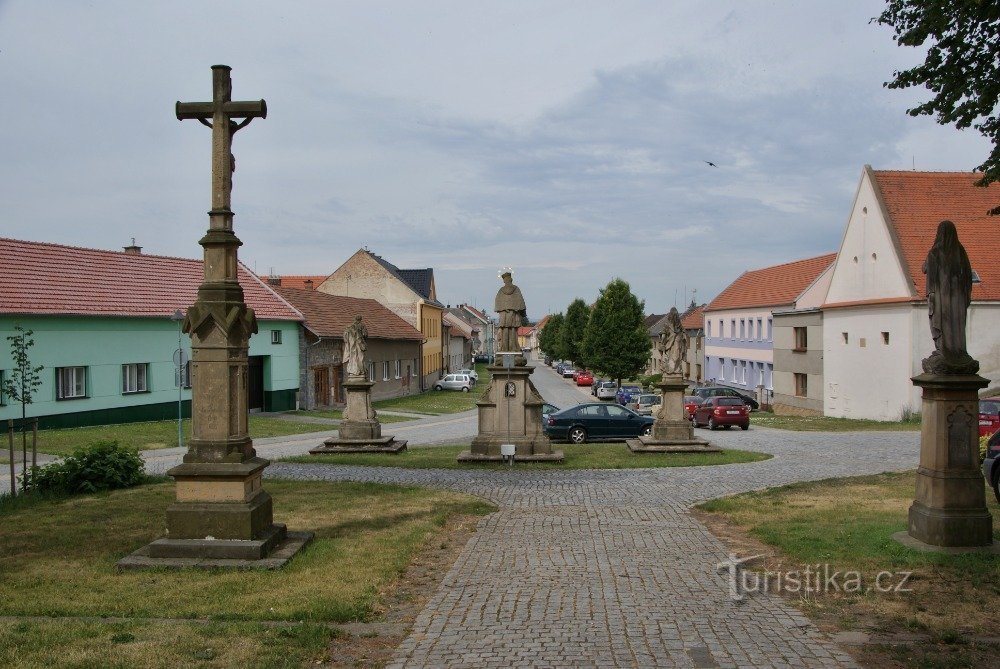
[
  {"x": 360, "y": 431},
  {"x": 510, "y": 412},
  {"x": 950, "y": 504},
  {"x": 672, "y": 432}
]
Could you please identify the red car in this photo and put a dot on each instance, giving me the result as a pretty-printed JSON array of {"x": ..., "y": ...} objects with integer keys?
[
  {"x": 716, "y": 412},
  {"x": 691, "y": 403},
  {"x": 584, "y": 378},
  {"x": 989, "y": 416}
]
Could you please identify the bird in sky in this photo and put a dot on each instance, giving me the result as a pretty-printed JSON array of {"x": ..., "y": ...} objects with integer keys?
[{"x": 710, "y": 164}]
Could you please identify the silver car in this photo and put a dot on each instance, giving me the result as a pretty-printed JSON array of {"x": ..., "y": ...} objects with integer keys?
[
  {"x": 472, "y": 373},
  {"x": 644, "y": 404},
  {"x": 461, "y": 382},
  {"x": 606, "y": 390}
]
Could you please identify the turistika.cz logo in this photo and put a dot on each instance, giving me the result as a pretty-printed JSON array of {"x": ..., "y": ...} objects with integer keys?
[{"x": 808, "y": 580}]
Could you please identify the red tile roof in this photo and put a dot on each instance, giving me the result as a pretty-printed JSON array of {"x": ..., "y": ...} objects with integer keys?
[
  {"x": 40, "y": 278},
  {"x": 694, "y": 319},
  {"x": 476, "y": 312},
  {"x": 297, "y": 280},
  {"x": 771, "y": 286},
  {"x": 918, "y": 201},
  {"x": 329, "y": 315},
  {"x": 525, "y": 330}
]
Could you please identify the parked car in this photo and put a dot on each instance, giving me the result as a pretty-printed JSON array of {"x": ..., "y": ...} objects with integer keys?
[
  {"x": 584, "y": 378},
  {"x": 715, "y": 412},
  {"x": 560, "y": 366},
  {"x": 624, "y": 394},
  {"x": 596, "y": 421},
  {"x": 547, "y": 360},
  {"x": 989, "y": 416},
  {"x": 470, "y": 372},
  {"x": 483, "y": 358},
  {"x": 644, "y": 403},
  {"x": 991, "y": 465},
  {"x": 606, "y": 390},
  {"x": 691, "y": 403},
  {"x": 722, "y": 391},
  {"x": 568, "y": 371},
  {"x": 461, "y": 382},
  {"x": 547, "y": 409}
]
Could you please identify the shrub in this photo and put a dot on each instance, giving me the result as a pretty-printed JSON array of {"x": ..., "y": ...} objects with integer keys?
[
  {"x": 982, "y": 447},
  {"x": 102, "y": 465}
]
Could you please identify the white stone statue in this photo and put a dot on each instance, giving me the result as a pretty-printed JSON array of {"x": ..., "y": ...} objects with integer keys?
[
  {"x": 673, "y": 345},
  {"x": 355, "y": 347}
]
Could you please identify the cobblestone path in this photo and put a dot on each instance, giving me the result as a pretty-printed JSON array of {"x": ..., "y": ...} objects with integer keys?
[{"x": 608, "y": 568}]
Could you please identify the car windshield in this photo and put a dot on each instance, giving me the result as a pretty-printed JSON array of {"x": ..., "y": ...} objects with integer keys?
[
  {"x": 730, "y": 402},
  {"x": 990, "y": 408},
  {"x": 692, "y": 399}
]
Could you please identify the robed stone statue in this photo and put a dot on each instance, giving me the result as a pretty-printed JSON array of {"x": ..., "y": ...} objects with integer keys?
[
  {"x": 673, "y": 345},
  {"x": 511, "y": 313},
  {"x": 949, "y": 293},
  {"x": 355, "y": 347}
]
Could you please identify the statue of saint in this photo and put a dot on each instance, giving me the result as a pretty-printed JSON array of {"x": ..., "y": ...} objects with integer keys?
[
  {"x": 512, "y": 314},
  {"x": 355, "y": 347},
  {"x": 949, "y": 292},
  {"x": 673, "y": 345}
]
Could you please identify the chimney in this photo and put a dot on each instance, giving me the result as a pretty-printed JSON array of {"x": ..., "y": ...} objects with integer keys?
[
  {"x": 274, "y": 280},
  {"x": 132, "y": 249},
  {"x": 308, "y": 283}
]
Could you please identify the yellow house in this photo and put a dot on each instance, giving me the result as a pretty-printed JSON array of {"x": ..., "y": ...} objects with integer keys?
[{"x": 409, "y": 293}]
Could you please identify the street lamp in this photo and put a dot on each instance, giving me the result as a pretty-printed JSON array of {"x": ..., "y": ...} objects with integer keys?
[{"x": 178, "y": 317}]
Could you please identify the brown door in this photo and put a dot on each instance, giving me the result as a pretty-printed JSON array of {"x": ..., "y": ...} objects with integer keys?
[
  {"x": 255, "y": 383},
  {"x": 321, "y": 386},
  {"x": 338, "y": 389}
]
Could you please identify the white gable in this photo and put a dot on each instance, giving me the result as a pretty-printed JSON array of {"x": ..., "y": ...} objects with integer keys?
[{"x": 868, "y": 265}]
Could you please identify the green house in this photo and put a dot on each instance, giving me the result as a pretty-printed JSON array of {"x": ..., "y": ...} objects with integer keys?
[{"x": 105, "y": 332}]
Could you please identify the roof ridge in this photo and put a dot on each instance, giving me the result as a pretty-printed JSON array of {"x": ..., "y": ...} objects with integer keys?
[{"x": 91, "y": 249}]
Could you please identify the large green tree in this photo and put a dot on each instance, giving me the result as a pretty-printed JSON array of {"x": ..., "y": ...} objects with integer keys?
[
  {"x": 615, "y": 342},
  {"x": 571, "y": 334},
  {"x": 548, "y": 340},
  {"x": 963, "y": 57}
]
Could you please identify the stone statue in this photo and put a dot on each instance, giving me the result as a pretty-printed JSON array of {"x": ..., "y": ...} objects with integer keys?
[
  {"x": 355, "y": 347},
  {"x": 673, "y": 345},
  {"x": 512, "y": 313},
  {"x": 949, "y": 292}
]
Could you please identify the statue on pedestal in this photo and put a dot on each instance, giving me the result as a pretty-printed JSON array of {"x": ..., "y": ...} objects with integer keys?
[
  {"x": 949, "y": 293},
  {"x": 673, "y": 345},
  {"x": 355, "y": 345},
  {"x": 512, "y": 314}
]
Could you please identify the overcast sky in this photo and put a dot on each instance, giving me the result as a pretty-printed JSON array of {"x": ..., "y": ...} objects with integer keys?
[{"x": 567, "y": 140}]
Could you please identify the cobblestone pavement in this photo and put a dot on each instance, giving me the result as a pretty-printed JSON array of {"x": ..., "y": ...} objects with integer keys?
[{"x": 608, "y": 569}]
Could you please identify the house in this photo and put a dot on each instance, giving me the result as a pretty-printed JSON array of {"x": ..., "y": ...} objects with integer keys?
[
  {"x": 475, "y": 326},
  {"x": 485, "y": 342},
  {"x": 392, "y": 354},
  {"x": 739, "y": 323},
  {"x": 409, "y": 293},
  {"x": 103, "y": 330},
  {"x": 693, "y": 322},
  {"x": 457, "y": 339},
  {"x": 875, "y": 321},
  {"x": 536, "y": 332}
]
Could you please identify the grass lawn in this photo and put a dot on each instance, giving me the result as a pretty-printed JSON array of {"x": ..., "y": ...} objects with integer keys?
[
  {"x": 435, "y": 402},
  {"x": 583, "y": 456},
  {"x": 829, "y": 424},
  {"x": 848, "y": 524},
  {"x": 158, "y": 434},
  {"x": 57, "y": 558}
]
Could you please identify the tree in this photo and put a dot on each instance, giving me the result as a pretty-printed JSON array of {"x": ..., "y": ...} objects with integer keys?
[
  {"x": 22, "y": 384},
  {"x": 548, "y": 340},
  {"x": 616, "y": 342},
  {"x": 571, "y": 333},
  {"x": 960, "y": 67}
]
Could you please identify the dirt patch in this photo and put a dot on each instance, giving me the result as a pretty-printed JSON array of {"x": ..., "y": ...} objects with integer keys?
[
  {"x": 943, "y": 623},
  {"x": 369, "y": 645}
]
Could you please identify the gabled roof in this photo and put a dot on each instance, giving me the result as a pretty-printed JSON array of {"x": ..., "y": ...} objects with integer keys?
[
  {"x": 470, "y": 321},
  {"x": 329, "y": 315},
  {"x": 459, "y": 328},
  {"x": 694, "y": 319},
  {"x": 657, "y": 328},
  {"x": 41, "y": 278},
  {"x": 916, "y": 202},
  {"x": 476, "y": 312},
  {"x": 419, "y": 280},
  {"x": 525, "y": 330},
  {"x": 771, "y": 286},
  {"x": 540, "y": 325},
  {"x": 297, "y": 280},
  {"x": 653, "y": 319}
]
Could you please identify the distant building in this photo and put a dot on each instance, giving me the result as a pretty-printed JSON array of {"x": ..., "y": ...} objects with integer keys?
[
  {"x": 103, "y": 332},
  {"x": 693, "y": 322},
  {"x": 409, "y": 293},
  {"x": 392, "y": 354},
  {"x": 875, "y": 324},
  {"x": 457, "y": 343},
  {"x": 739, "y": 326}
]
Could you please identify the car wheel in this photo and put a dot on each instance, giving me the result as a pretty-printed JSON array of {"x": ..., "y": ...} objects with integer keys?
[
  {"x": 712, "y": 425},
  {"x": 465, "y": 389},
  {"x": 745, "y": 427},
  {"x": 577, "y": 435},
  {"x": 648, "y": 430},
  {"x": 438, "y": 387}
]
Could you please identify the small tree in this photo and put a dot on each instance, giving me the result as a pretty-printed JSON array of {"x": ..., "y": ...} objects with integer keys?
[
  {"x": 615, "y": 341},
  {"x": 548, "y": 340},
  {"x": 571, "y": 335},
  {"x": 22, "y": 384}
]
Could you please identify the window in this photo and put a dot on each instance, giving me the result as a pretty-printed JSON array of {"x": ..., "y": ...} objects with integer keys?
[
  {"x": 885, "y": 338},
  {"x": 385, "y": 370},
  {"x": 185, "y": 379},
  {"x": 275, "y": 336},
  {"x": 844, "y": 335},
  {"x": 862, "y": 343},
  {"x": 801, "y": 339},
  {"x": 733, "y": 365},
  {"x": 3, "y": 385},
  {"x": 399, "y": 369},
  {"x": 769, "y": 325},
  {"x": 732, "y": 329},
  {"x": 71, "y": 382},
  {"x": 709, "y": 326},
  {"x": 743, "y": 328},
  {"x": 413, "y": 370},
  {"x": 371, "y": 371},
  {"x": 134, "y": 378},
  {"x": 801, "y": 385},
  {"x": 760, "y": 329},
  {"x": 722, "y": 332}
]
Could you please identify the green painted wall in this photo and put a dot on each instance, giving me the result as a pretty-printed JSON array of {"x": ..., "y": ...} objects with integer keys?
[{"x": 103, "y": 345}]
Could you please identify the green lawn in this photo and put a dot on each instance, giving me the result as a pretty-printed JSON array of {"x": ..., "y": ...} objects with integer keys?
[
  {"x": 829, "y": 424},
  {"x": 436, "y": 402},
  {"x": 158, "y": 434},
  {"x": 583, "y": 456},
  {"x": 57, "y": 558}
]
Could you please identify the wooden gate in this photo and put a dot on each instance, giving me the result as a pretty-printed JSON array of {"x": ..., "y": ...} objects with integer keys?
[{"x": 321, "y": 386}]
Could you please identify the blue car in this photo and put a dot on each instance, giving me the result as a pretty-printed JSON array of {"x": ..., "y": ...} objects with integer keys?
[
  {"x": 625, "y": 393},
  {"x": 596, "y": 421}
]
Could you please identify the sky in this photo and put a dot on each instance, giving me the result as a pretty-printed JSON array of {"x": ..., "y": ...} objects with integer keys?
[{"x": 567, "y": 140}]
